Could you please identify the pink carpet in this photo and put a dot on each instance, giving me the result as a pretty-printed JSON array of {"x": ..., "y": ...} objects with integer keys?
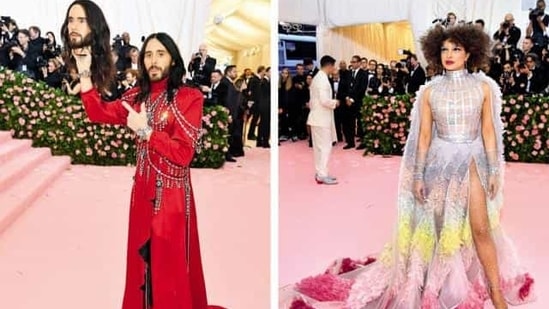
[
  {"x": 356, "y": 217},
  {"x": 68, "y": 250}
]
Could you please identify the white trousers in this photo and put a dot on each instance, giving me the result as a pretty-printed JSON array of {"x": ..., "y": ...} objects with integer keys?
[{"x": 322, "y": 148}]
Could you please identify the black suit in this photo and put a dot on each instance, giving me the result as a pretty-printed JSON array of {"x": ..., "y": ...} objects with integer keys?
[
  {"x": 416, "y": 79},
  {"x": 18, "y": 63},
  {"x": 202, "y": 75},
  {"x": 254, "y": 86},
  {"x": 218, "y": 95},
  {"x": 512, "y": 38},
  {"x": 232, "y": 99},
  {"x": 357, "y": 91},
  {"x": 340, "y": 94},
  {"x": 264, "y": 107}
]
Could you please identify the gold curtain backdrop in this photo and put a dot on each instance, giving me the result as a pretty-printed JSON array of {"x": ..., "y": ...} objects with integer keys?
[
  {"x": 379, "y": 41},
  {"x": 253, "y": 57},
  {"x": 238, "y": 32}
]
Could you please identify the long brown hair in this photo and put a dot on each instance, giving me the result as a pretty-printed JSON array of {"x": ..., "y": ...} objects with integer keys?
[
  {"x": 102, "y": 68},
  {"x": 288, "y": 83}
]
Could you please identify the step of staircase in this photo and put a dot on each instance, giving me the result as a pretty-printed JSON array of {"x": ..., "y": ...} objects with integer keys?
[
  {"x": 12, "y": 148},
  {"x": 14, "y": 169},
  {"x": 4, "y": 136},
  {"x": 25, "y": 173},
  {"x": 29, "y": 186}
]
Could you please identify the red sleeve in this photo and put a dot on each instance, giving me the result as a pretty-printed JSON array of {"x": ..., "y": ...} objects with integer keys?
[
  {"x": 179, "y": 147},
  {"x": 103, "y": 112}
]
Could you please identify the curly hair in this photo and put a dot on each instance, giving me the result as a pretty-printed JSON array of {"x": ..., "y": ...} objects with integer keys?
[{"x": 472, "y": 39}]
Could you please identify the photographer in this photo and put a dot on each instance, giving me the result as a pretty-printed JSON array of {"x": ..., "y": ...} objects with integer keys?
[
  {"x": 508, "y": 34},
  {"x": 417, "y": 75},
  {"x": 71, "y": 83},
  {"x": 36, "y": 41},
  {"x": 537, "y": 28},
  {"x": 506, "y": 81},
  {"x": 450, "y": 21},
  {"x": 201, "y": 66},
  {"x": 8, "y": 37},
  {"x": 51, "y": 73},
  {"x": 399, "y": 77},
  {"x": 129, "y": 81},
  {"x": 22, "y": 57},
  {"x": 51, "y": 48},
  {"x": 380, "y": 83}
]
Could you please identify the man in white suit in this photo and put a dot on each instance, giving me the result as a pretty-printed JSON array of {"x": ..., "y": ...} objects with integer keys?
[{"x": 321, "y": 120}]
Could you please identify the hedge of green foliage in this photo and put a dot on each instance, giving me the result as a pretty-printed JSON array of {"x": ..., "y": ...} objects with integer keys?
[
  {"x": 526, "y": 137},
  {"x": 53, "y": 119}
]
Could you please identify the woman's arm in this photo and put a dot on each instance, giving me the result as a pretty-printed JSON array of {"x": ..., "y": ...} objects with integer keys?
[
  {"x": 488, "y": 130},
  {"x": 74, "y": 90},
  {"x": 424, "y": 137}
]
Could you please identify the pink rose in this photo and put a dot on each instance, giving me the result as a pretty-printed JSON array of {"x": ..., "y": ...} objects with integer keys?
[
  {"x": 514, "y": 156},
  {"x": 526, "y": 133}
]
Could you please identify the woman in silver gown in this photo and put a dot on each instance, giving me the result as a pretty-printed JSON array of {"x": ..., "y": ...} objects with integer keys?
[{"x": 449, "y": 250}]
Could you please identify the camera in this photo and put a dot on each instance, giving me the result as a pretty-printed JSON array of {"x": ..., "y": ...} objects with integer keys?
[
  {"x": 118, "y": 42},
  {"x": 41, "y": 62},
  {"x": 443, "y": 21},
  {"x": 120, "y": 76},
  {"x": 535, "y": 13},
  {"x": 405, "y": 52},
  {"x": 9, "y": 44},
  {"x": 506, "y": 25},
  {"x": 4, "y": 20}
]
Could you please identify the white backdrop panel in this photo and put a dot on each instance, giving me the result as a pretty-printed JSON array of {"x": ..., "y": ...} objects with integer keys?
[
  {"x": 301, "y": 11},
  {"x": 351, "y": 12},
  {"x": 183, "y": 20}
]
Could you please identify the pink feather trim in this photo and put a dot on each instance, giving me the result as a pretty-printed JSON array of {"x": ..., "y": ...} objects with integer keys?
[
  {"x": 299, "y": 303},
  {"x": 325, "y": 287},
  {"x": 525, "y": 289},
  {"x": 346, "y": 265}
]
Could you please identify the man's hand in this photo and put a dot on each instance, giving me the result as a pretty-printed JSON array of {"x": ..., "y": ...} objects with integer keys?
[
  {"x": 18, "y": 50},
  {"x": 348, "y": 101},
  {"x": 205, "y": 89},
  {"x": 83, "y": 58},
  {"x": 135, "y": 120}
]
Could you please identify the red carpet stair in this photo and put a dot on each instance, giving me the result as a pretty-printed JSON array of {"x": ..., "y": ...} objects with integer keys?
[{"x": 25, "y": 174}]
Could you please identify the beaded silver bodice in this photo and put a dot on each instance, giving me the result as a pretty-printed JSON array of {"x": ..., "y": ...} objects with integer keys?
[{"x": 456, "y": 105}]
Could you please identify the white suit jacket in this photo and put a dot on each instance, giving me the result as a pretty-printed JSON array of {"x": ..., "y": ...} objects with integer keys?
[{"x": 321, "y": 104}]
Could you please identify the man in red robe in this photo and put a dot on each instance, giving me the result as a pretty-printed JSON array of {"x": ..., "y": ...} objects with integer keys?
[{"x": 164, "y": 269}]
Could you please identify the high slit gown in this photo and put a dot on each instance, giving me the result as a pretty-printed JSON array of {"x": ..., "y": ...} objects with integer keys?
[{"x": 431, "y": 263}]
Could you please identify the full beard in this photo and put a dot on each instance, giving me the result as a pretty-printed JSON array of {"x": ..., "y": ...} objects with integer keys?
[
  {"x": 158, "y": 75},
  {"x": 86, "y": 41}
]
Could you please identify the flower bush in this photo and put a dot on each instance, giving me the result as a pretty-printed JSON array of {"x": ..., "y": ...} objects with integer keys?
[
  {"x": 32, "y": 110},
  {"x": 525, "y": 118}
]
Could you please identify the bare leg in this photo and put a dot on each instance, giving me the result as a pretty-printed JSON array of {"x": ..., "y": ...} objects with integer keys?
[{"x": 484, "y": 244}]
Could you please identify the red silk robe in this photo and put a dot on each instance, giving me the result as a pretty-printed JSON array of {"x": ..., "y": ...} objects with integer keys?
[{"x": 162, "y": 211}]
